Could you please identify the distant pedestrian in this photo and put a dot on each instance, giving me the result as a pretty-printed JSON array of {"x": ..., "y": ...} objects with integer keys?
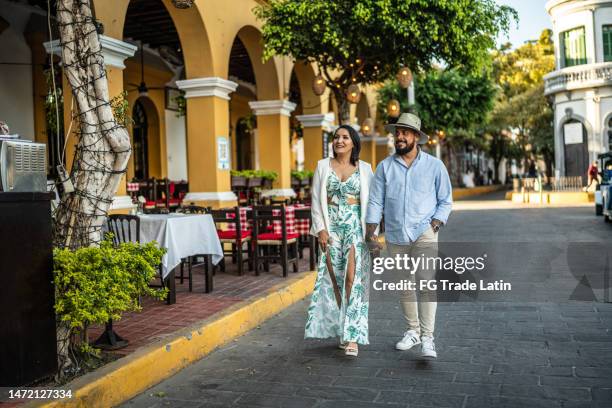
[{"x": 592, "y": 175}]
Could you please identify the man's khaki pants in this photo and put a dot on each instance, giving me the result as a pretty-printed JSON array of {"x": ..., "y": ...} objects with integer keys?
[{"x": 419, "y": 306}]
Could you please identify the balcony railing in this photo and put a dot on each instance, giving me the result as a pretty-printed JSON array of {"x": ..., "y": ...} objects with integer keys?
[{"x": 578, "y": 77}]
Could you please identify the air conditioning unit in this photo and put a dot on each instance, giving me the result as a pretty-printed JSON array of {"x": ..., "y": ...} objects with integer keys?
[{"x": 23, "y": 166}]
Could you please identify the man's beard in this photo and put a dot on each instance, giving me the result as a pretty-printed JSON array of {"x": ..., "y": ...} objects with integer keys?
[{"x": 404, "y": 150}]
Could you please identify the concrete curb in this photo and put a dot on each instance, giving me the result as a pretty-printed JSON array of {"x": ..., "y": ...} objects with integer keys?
[
  {"x": 121, "y": 380},
  {"x": 459, "y": 193}
]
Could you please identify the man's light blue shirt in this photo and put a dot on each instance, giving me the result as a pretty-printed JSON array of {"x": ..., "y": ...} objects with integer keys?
[{"x": 409, "y": 197}]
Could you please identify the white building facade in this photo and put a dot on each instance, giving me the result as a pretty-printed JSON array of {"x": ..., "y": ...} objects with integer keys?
[{"x": 581, "y": 85}]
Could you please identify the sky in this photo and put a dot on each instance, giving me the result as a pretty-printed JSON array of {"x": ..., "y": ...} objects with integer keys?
[{"x": 532, "y": 20}]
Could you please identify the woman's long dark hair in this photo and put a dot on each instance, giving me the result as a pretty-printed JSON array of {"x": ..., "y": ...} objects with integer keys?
[{"x": 356, "y": 143}]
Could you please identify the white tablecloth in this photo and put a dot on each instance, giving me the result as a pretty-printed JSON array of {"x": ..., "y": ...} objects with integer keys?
[{"x": 182, "y": 235}]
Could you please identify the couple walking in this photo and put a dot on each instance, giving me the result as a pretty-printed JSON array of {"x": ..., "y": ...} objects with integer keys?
[{"x": 413, "y": 191}]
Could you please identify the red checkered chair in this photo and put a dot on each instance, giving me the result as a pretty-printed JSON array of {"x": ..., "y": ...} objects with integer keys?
[
  {"x": 270, "y": 246},
  {"x": 239, "y": 238}
]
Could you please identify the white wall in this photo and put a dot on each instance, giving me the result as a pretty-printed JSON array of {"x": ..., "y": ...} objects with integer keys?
[
  {"x": 16, "y": 92},
  {"x": 176, "y": 146}
]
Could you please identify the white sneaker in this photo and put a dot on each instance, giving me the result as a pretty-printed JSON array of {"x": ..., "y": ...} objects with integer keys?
[
  {"x": 428, "y": 348},
  {"x": 411, "y": 339}
]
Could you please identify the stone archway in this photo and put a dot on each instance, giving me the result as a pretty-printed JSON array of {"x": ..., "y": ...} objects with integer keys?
[
  {"x": 574, "y": 137},
  {"x": 560, "y": 151},
  {"x": 266, "y": 75}
]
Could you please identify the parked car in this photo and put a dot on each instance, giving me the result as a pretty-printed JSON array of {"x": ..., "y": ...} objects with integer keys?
[{"x": 603, "y": 194}]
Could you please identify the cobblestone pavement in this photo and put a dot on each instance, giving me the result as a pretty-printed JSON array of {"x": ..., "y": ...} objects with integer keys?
[{"x": 490, "y": 354}]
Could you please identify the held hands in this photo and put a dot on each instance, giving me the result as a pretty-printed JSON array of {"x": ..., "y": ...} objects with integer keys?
[{"x": 373, "y": 244}]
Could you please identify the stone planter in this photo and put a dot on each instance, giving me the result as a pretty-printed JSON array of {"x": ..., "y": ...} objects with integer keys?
[
  {"x": 254, "y": 182},
  {"x": 238, "y": 182}
]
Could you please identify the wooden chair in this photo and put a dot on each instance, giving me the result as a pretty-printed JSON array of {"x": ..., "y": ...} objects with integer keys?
[
  {"x": 236, "y": 237},
  {"x": 192, "y": 261},
  {"x": 307, "y": 241},
  {"x": 274, "y": 247},
  {"x": 125, "y": 228}
]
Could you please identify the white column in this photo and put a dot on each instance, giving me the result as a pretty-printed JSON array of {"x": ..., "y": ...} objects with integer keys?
[
  {"x": 323, "y": 120},
  {"x": 210, "y": 86},
  {"x": 114, "y": 51}
]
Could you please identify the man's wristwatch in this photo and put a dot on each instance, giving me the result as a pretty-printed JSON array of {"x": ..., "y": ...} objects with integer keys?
[{"x": 435, "y": 227}]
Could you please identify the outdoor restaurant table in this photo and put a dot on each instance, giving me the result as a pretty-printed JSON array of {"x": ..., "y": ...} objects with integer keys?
[
  {"x": 301, "y": 226},
  {"x": 182, "y": 235}
]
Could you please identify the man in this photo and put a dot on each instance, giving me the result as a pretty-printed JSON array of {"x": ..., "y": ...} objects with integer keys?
[{"x": 413, "y": 190}]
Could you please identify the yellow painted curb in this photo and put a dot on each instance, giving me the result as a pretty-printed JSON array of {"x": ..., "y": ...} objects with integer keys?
[
  {"x": 558, "y": 197},
  {"x": 459, "y": 193},
  {"x": 123, "y": 379}
]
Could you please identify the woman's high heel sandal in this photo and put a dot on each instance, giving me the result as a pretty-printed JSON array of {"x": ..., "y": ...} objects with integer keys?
[{"x": 351, "y": 351}]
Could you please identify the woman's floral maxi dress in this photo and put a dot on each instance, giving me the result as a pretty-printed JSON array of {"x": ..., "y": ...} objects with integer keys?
[{"x": 325, "y": 318}]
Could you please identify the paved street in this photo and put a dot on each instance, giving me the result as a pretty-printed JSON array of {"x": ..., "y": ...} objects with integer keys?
[{"x": 490, "y": 354}]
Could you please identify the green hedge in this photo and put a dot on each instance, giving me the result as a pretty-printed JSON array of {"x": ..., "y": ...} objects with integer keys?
[
  {"x": 302, "y": 175},
  {"x": 264, "y": 174}
]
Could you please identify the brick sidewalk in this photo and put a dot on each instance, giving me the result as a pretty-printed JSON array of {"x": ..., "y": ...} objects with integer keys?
[{"x": 158, "y": 320}]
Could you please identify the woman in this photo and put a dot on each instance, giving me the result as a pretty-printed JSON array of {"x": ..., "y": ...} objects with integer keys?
[{"x": 340, "y": 189}]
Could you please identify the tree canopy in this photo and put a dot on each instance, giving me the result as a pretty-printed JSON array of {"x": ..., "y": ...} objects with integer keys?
[
  {"x": 366, "y": 41},
  {"x": 452, "y": 100},
  {"x": 521, "y": 105}
]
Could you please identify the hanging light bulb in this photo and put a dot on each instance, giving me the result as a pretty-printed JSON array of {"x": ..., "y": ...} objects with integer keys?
[
  {"x": 404, "y": 77},
  {"x": 393, "y": 108},
  {"x": 367, "y": 126},
  {"x": 353, "y": 94},
  {"x": 318, "y": 85}
]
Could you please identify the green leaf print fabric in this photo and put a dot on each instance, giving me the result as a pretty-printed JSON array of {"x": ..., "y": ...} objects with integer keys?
[{"x": 350, "y": 321}]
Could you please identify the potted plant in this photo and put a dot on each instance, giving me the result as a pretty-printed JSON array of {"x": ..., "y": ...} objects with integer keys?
[
  {"x": 301, "y": 178},
  {"x": 252, "y": 178},
  {"x": 268, "y": 178}
]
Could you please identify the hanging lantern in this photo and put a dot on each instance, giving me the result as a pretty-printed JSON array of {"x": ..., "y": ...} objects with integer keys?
[
  {"x": 182, "y": 4},
  {"x": 367, "y": 126},
  {"x": 353, "y": 94},
  {"x": 393, "y": 108},
  {"x": 318, "y": 85},
  {"x": 404, "y": 77}
]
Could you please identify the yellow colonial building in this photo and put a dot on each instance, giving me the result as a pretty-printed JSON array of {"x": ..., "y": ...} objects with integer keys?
[{"x": 201, "y": 98}]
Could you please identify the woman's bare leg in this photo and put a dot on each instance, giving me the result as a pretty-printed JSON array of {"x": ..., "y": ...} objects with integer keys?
[{"x": 348, "y": 282}]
